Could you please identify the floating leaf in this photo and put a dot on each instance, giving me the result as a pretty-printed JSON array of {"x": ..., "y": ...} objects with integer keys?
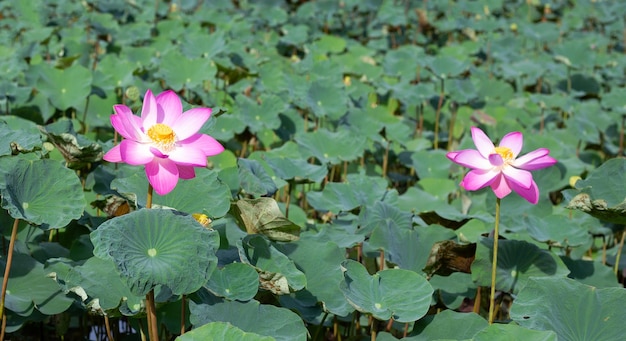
[
  {"x": 591, "y": 273},
  {"x": 277, "y": 272},
  {"x": 358, "y": 190},
  {"x": 29, "y": 286},
  {"x": 512, "y": 332},
  {"x": 320, "y": 261},
  {"x": 204, "y": 193},
  {"x": 153, "y": 247},
  {"x": 34, "y": 189},
  {"x": 518, "y": 261},
  {"x": 262, "y": 319},
  {"x": 221, "y": 331},
  {"x": 236, "y": 281},
  {"x": 263, "y": 216},
  {"x": 66, "y": 88},
  {"x": 331, "y": 147},
  {"x": 394, "y": 293},
  {"x": 437, "y": 326},
  {"x": 572, "y": 310},
  {"x": 100, "y": 287}
]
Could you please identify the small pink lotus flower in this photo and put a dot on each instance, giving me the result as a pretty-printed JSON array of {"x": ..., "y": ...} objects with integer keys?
[
  {"x": 499, "y": 167},
  {"x": 164, "y": 139}
]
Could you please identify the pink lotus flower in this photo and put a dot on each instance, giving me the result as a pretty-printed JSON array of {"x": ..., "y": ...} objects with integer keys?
[
  {"x": 164, "y": 139},
  {"x": 499, "y": 167}
]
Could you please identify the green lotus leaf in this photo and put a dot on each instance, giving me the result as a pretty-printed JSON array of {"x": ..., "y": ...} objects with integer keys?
[
  {"x": 252, "y": 317},
  {"x": 590, "y": 272},
  {"x": 18, "y": 136},
  {"x": 446, "y": 66},
  {"x": 29, "y": 287},
  {"x": 188, "y": 74},
  {"x": 437, "y": 327},
  {"x": 153, "y": 247},
  {"x": 550, "y": 229},
  {"x": 261, "y": 114},
  {"x": 254, "y": 179},
  {"x": 513, "y": 332},
  {"x": 454, "y": 290},
  {"x": 204, "y": 193},
  {"x": 263, "y": 216},
  {"x": 99, "y": 286},
  {"x": 236, "y": 281},
  {"x": 296, "y": 169},
  {"x": 400, "y": 294},
  {"x": 518, "y": 261},
  {"x": 294, "y": 34},
  {"x": 66, "y": 88},
  {"x": 113, "y": 72},
  {"x": 277, "y": 272},
  {"x": 331, "y": 147},
  {"x": 43, "y": 192},
  {"x": 572, "y": 310},
  {"x": 221, "y": 331},
  {"x": 602, "y": 193},
  {"x": 320, "y": 261},
  {"x": 327, "y": 99},
  {"x": 358, "y": 190}
]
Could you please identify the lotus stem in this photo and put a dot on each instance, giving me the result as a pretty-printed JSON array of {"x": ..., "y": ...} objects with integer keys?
[
  {"x": 5, "y": 280},
  {"x": 107, "y": 326},
  {"x": 494, "y": 263},
  {"x": 182, "y": 314},
  {"x": 153, "y": 327},
  {"x": 619, "y": 252}
]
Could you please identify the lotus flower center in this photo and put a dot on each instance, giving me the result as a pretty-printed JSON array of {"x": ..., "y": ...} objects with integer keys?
[
  {"x": 505, "y": 153},
  {"x": 162, "y": 135}
]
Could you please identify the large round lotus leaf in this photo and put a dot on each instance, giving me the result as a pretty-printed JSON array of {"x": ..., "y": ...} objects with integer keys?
[
  {"x": 29, "y": 286},
  {"x": 400, "y": 294},
  {"x": 277, "y": 272},
  {"x": 517, "y": 262},
  {"x": 236, "y": 281},
  {"x": 99, "y": 286},
  {"x": 253, "y": 317},
  {"x": 320, "y": 261},
  {"x": 203, "y": 194},
  {"x": 65, "y": 88},
  {"x": 572, "y": 310},
  {"x": 43, "y": 192},
  {"x": 448, "y": 324},
  {"x": 512, "y": 332},
  {"x": 221, "y": 331},
  {"x": 153, "y": 247}
]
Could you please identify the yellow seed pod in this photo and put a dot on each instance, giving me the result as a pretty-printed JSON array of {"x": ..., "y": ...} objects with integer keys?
[
  {"x": 203, "y": 219},
  {"x": 573, "y": 179}
]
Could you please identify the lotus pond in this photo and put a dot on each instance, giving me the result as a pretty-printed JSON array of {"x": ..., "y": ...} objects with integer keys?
[{"x": 335, "y": 192}]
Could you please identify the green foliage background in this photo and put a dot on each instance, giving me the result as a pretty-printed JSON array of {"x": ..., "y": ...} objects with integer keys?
[{"x": 341, "y": 111}]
